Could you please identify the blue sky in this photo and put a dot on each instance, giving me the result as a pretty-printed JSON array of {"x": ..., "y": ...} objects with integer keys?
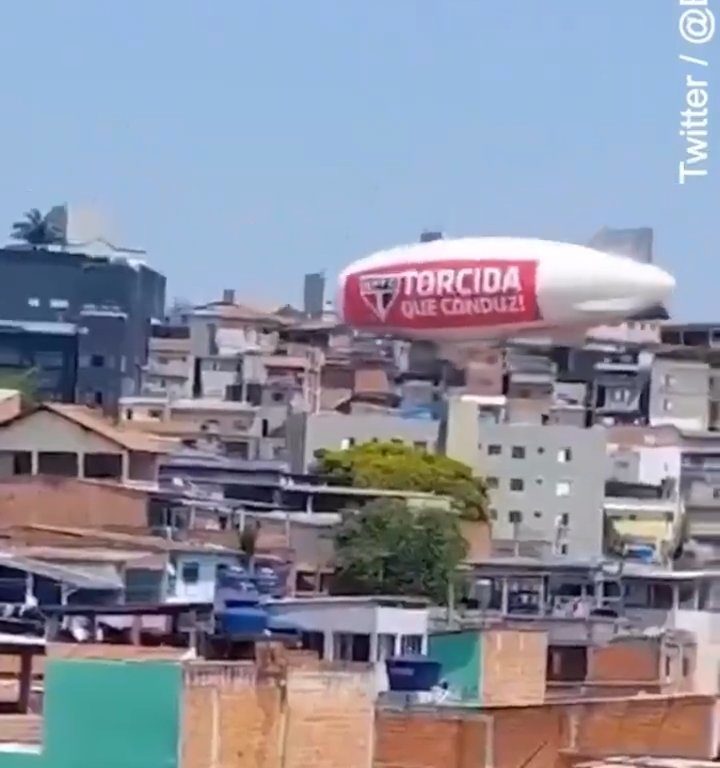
[{"x": 246, "y": 142}]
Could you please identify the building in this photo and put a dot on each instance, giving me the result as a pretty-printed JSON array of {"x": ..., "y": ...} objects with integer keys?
[
  {"x": 110, "y": 301},
  {"x": 151, "y": 705},
  {"x": 170, "y": 368},
  {"x": 546, "y": 483},
  {"x": 233, "y": 428},
  {"x": 358, "y": 629},
  {"x": 495, "y": 666},
  {"x": 683, "y": 392},
  {"x": 145, "y": 569},
  {"x": 314, "y": 295},
  {"x": 74, "y": 441},
  {"x": 688, "y": 460},
  {"x": 309, "y": 433}
]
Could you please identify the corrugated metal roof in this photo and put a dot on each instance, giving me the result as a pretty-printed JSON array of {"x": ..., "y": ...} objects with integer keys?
[{"x": 101, "y": 576}]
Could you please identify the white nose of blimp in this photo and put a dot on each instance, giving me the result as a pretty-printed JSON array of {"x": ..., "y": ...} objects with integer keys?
[{"x": 601, "y": 286}]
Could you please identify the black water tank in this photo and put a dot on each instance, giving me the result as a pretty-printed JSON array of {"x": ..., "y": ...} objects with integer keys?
[{"x": 412, "y": 673}]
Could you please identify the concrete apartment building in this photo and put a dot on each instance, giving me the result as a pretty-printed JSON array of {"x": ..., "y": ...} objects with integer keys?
[
  {"x": 104, "y": 305},
  {"x": 684, "y": 392},
  {"x": 309, "y": 432},
  {"x": 546, "y": 482},
  {"x": 689, "y": 459}
]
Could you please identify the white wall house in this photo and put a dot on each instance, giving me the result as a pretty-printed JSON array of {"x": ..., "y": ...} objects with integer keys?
[
  {"x": 364, "y": 629},
  {"x": 192, "y": 576}
]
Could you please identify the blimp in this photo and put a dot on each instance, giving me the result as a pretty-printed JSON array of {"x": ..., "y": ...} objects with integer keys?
[{"x": 495, "y": 288}]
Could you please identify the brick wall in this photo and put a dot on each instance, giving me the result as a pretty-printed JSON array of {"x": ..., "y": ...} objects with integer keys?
[
  {"x": 10, "y": 664},
  {"x": 514, "y": 664},
  {"x": 658, "y": 726},
  {"x": 535, "y": 737},
  {"x": 23, "y": 729},
  {"x": 431, "y": 740},
  {"x": 69, "y": 502},
  {"x": 296, "y": 717},
  {"x": 625, "y": 660}
]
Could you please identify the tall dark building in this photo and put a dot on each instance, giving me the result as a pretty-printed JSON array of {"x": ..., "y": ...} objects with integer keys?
[
  {"x": 107, "y": 303},
  {"x": 314, "y": 294}
]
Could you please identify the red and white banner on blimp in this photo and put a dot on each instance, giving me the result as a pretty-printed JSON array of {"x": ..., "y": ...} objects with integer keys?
[{"x": 443, "y": 294}]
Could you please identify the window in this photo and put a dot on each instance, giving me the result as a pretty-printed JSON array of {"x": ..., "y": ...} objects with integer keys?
[
  {"x": 686, "y": 668},
  {"x": 518, "y": 452},
  {"x": 191, "y": 573},
  {"x": 411, "y": 645},
  {"x": 220, "y": 569},
  {"x": 59, "y": 304},
  {"x": 537, "y": 514},
  {"x": 562, "y": 488},
  {"x": 515, "y": 517},
  {"x": 494, "y": 450},
  {"x": 351, "y": 647},
  {"x": 277, "y": 397},
  {"x": 667, "y": 405},
  {"x": 314, "y": 641},
  {"x": 493, "y": 513},
  {"x": 564, "y": 455},
  {"x": 565, "y": 519},
  {"x": 346, "y": 443},
  {"x": 33, "y": 302},
  {"x": 385, "y": 647},
  {"x": 517, "y": 484},
  {"x": 97, "y": 361},
  {"x": 265, "y": 428},
  {"x": 668, "y": 668},
  {"x": 541, "y": 450},
  {"x": 563, "y": 549},
  {"x": 491, "y": 482},
  {"x": 129, "y": 414},
  {"x": 669, "y": 380},
  {"x": 155, "y": 413}
]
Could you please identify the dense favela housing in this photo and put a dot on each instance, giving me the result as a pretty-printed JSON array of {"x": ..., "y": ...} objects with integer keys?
[{"x": 234, "y": 535}]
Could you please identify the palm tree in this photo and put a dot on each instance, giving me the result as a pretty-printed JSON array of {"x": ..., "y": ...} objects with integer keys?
[{"x": 38, "y": 230}]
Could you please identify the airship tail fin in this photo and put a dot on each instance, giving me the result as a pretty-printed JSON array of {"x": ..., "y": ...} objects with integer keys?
[{"x": 636, "y": 244}]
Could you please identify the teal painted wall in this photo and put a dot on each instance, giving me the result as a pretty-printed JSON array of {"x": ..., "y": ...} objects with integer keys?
[
  {"x": 108, "y": 714},
  {"x": 20, "y": 760},
  {"x": 459, "y": 653}
]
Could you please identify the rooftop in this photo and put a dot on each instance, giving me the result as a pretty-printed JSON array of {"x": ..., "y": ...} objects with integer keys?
[
  {"x": 131, "y": 541},
  {"x": 127, "y": 438},
  {"x": 385, "y": 601}
]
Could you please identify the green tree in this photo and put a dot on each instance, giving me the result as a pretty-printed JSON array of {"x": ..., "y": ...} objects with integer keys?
[
  {"x": 398, "y": 467},
  {"x": 38, "y": 230},
  {"x": 25, "y": 382},
  {"x": 388, "y": 549}
]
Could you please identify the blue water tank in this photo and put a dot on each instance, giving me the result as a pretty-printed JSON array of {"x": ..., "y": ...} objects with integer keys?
[
  {"x": 412, "y": 673},
  {"x": 246, "y": 620}
]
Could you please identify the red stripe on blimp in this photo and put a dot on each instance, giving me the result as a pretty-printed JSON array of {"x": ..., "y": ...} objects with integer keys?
[{"x": 443, "y": 294}]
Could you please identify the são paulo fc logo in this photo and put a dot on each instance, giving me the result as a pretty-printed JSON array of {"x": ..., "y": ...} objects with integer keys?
[{"x": 379, "y": 292}]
